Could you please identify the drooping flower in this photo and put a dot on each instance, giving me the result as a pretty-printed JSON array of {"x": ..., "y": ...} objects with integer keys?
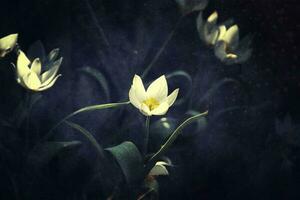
[
  {"x": 7, "y": 44},
  {"x": 229, "y": 49},
  {"x": 159, "y": 169},
  {"x": 29, "y": 73},
  {"x": 208, "y": 30},
  {"x": 154, "y": 100}
]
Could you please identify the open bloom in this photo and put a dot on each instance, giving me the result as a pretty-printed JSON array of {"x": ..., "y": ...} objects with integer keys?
[
  {"x": 159, "y": 169},
  {"x": 7, "y": 44},
  {"x": 29, "y": 73},
  {"x": 154, "y": 100},
  {"x": 229, "y": 49},
  {"x": 208, "y": 30}
]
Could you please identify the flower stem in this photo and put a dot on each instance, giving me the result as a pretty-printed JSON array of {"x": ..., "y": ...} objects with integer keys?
[{"x": 147, "y": 130}]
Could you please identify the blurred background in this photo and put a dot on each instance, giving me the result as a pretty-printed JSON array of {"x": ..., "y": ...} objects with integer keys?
[{"x": 250, "y": 147}]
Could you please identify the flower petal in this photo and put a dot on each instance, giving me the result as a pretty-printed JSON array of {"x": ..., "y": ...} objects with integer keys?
[
  {"x": 158, "y": 89},
  {"x": 158, "y": 170},
  {"x": 22, "y": 65},
  {"x": 232, "y": 36},
  {"x": 49, "y": 75},
  {"x": 7, "y": 44},
  {"x": 133, "y": 99},
  {"x": 138, "y": 88},
  {"x": 145, "y": 110},
  {"x": 36, "y": 66},
  {"x": 42, "y": 88},
  {"x": 172, "y": 97},
  {"x": 32, "y": 81},
  {"x": 161, "y": 109},
  {"x": 220, "y": 50}
]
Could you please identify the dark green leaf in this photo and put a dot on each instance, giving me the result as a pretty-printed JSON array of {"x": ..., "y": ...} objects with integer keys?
[
  {"x": 129, "y": 159},
  {"x": 99, "y": 77},
  {"x": 44, "y": 153}
]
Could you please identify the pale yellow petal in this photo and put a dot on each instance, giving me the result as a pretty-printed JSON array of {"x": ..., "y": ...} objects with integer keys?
[
  {"x": 232, "y": 36},
  {"x": 158, "y": 89},
  {"x": 36, "y": 66},
  {"x": 222, "y": 32},
  {"x": 158, "y": 170},
  {"x": 138, "y": 88},
  {"x": 145, "y": 110},
  {"x": 22, "y": 65},
  {"x": 172, "y": 97},
  {"x": 133, "y": 99},
  {"x": 32, "y": 81},
  {"x": 161, "y": 109},
  {"x": 7, "y": 44}
]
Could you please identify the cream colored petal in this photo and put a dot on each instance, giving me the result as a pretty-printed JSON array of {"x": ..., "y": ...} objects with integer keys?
[
  {"x": 133, "y": 99},
  {"x": 145, "y": 110},
  {"x": 212, "y": 19},
  {"x": 32, "y": 81},
  {"x": 45, "y": 87},
  {"x": 158, "y": 170},
  {"x": 138, "y": 88},
  {"x": 232, "y": 36},
  {"x": 172, "y": 97},
  {"x": 158, "y": 89},
  {"x": 7, "y": 44},
  {"x": 22, "y": 65},
  {"x": 161, "y": 109},
  {"x": 222, "y": 32},
  {"x": 49, "y": 75},
  {"x": 36, "y": 66}
]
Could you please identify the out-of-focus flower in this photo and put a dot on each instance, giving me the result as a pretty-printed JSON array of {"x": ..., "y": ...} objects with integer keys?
[
  {"x": 154, "y": 101},
  {"x": 208, "y": 30},
  {"x": 7, "y": 44},
  {"x": 229, "y": 49},
  {"x": 188, "y": 6},
  {"x": 159, "y": 169},
  {"x": 29, "y": 73}
]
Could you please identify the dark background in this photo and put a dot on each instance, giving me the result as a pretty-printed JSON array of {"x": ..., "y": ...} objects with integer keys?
[{"x": 243, "y": 155}]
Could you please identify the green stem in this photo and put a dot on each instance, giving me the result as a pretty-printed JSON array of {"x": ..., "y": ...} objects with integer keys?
[
  {"x": 172, "y": 138},
  {"x": 162, "y": 48},
  {"x": 147, "y": 130},
  {"x": 85, "y": 109}
]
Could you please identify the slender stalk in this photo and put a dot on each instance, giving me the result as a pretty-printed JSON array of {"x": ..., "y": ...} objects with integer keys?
[
  {"x": 85, "y": 109},
  {"x": 162, "y": 48},
  {"x": 172, "y": 138},
  {"x": 97, "y": 24},
  {"x": 146, "y": 138}
]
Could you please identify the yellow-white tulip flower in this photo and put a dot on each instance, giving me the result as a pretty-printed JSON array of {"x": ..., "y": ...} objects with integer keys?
[
  {"x": 154, "y": 100},
  {"x": 228, "y": 49},
  {"x": 29, "y": 73},
  {"x": 208, "y": 30},
  {"x": 7, "y": 44},
  {"x": 159, "y": 169}
]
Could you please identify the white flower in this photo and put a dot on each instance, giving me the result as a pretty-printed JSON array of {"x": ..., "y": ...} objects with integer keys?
[
  {"x": 154, "y": 101},
  {"x": 29, "y": 73},
  {"x": 7, "y": 44},
  {"x": 229, "y": 49},
  {"x": 159, "y": 169},
  {"x": 208, "y": 30}
]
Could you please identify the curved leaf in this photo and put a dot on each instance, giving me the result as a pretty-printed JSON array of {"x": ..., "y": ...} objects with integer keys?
[
  {"x": 129, "y": 159},
  {"x": 44, "y": 153},
  {"x": 82, "y": 110},
  {"x": 99, "y": 77},
  {"x": 173, "y": 136}
]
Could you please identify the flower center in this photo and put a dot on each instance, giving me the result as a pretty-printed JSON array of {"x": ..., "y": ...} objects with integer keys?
[{"x": 151, "y": 103}]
